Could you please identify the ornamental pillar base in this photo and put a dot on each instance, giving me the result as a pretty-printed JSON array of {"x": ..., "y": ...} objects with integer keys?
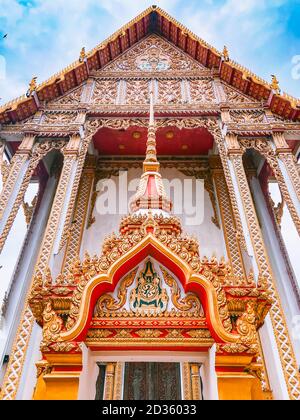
[
  {"x": 61, "y": 380},
  {"x": 234, "y": 380}
]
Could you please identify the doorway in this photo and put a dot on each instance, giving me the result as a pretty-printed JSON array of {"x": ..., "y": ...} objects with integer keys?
[{"x": 152, "y": 381}]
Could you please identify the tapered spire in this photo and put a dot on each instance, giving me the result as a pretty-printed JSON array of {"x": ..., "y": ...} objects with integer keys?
[
  {"x": 151, "y": 193},
  {"x": 151, "y": 163}
]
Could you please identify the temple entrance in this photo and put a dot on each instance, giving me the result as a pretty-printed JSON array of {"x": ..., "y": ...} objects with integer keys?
[
  {"x": 148, "y": 376},
  {"x": 152, "y": 381}
]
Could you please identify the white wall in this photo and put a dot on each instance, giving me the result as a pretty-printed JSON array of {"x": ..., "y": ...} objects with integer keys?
[{"x": 209, "y": 236}]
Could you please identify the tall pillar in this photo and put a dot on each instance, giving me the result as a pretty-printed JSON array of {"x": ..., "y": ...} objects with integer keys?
[
  {"x": 230, "y": 233},
  {"x": 287, "y": 290},
  {"x": 74, "y": 190},
  {"x": 248, "y": 213},
  {"x": 19, "y": 351},
  {"x": 289, "y": 181},
  {"x": 16, "y": 183},
  {"x": 286, "y": 156},
  {"x": 19, "y": 179},
  {"x": 80, "y": 214}
]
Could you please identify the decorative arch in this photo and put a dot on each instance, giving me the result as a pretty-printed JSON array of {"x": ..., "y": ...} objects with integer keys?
[
  {"x": 64, "y": 307},
  {"x": 150, "y": 246}
]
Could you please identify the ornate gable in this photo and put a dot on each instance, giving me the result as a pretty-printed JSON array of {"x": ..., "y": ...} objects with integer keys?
[
  {"x": 153, "y": 55},
  {"x": 236, "y": 97},
  {"x": 71, "y": 98},
  {"x": 149, "y": 291}
]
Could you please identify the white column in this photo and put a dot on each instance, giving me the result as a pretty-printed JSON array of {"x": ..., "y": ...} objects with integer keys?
[
  {"x": 22, "y": 276},
  {"x": 281, "y": 276}
]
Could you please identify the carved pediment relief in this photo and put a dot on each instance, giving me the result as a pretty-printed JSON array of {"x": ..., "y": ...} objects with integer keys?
[
  {"x": 248, "y": 117},
  {"x": 59, "y": 117},
  {"x": 236, "y": 97},
  {"x": 70, "y": 98},
  {"x": 146, "y": 292},
  {"x": 153, "y": 55}
]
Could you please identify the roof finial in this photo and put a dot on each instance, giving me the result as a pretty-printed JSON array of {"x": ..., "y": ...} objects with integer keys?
[
  {"x": 32, "y": 86},
  {"x": 275, "y": 84},
  {"x": 83, "y": 55},
  {"x": 225, "y": 53},
  {"x": 150, "y": 162}
]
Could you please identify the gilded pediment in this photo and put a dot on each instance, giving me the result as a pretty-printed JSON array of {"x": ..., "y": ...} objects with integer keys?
[
  {"x": 150, "y": 291},
  {"x": 71, "y": 98},
  {"x": 153, "y": 55},
  {"x": 235, "y": 97}
]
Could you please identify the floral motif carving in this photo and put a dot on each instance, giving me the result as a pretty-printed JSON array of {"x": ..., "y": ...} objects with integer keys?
[
  {"x": 107, "y": 303},
  {"x": 235, "y": 97},
  {"x": 29, "y": 209},
  {"x": 52, "y": 325},
  {"x": 169, "y": 91},
  {"x": 153, "y": 55},
  {"x": 71, "y": 98},
  {"x": 137, "y": 92},
  {"x": 59, "y": 117},
  {"x": 246, "y": 325},
  {"x": 248, "y": 117},
  {"x": 189, "y": 303},
  {"x": 105, "y": 92},
  {"x": 201, "y": 90}
]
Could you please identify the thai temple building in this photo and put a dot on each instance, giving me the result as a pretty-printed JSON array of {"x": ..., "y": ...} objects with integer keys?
[{"x": 183, "y": 288}]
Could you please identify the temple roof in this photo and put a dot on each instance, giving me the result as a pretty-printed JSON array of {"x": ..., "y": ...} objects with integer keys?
[{"x": 152, "y": 20}]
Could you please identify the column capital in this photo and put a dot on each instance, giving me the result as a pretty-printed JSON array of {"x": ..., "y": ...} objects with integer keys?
[
  {"x": 280, "y": 142},
  {"x": 27, "y": 143},
  {"x": 61, "y": 381},
  {"x": 235, "y": 382},
  {"x": 73, "y": 145},
  {"x": 232, "y": 145},
  {"x": 225, "y": 115}
]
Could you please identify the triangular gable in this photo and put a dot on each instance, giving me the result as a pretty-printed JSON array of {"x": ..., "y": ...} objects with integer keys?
[
  {"x": 236, "y": 97},
  {"x": 152, "y": 20},
  {"x": 70, "y": 98},
  {"x": 153, "y": 54}
]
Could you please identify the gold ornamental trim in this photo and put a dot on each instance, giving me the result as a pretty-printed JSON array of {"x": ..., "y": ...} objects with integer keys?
[{"x": 212, "y": 297}]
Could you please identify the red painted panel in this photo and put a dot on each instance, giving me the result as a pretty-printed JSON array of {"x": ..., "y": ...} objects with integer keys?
[{"x": 124, "y": 142}]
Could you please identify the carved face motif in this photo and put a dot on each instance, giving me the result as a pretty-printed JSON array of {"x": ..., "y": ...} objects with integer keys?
[{"x": 153, "y": 60}]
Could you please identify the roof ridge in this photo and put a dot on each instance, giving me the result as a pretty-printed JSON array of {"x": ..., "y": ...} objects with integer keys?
[{"x": 60, "y": 75}]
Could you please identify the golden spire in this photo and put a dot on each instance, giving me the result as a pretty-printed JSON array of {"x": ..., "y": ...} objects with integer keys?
[
  {"x": 151, "y": 193},
  {"x": 151, "y": 163}
]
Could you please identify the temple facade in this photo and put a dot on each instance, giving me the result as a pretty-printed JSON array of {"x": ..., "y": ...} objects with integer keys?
[{"x": 154, "y": 265}]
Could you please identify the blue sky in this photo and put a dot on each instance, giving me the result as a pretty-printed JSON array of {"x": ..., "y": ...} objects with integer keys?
[{"x": 46, "y": 35}]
